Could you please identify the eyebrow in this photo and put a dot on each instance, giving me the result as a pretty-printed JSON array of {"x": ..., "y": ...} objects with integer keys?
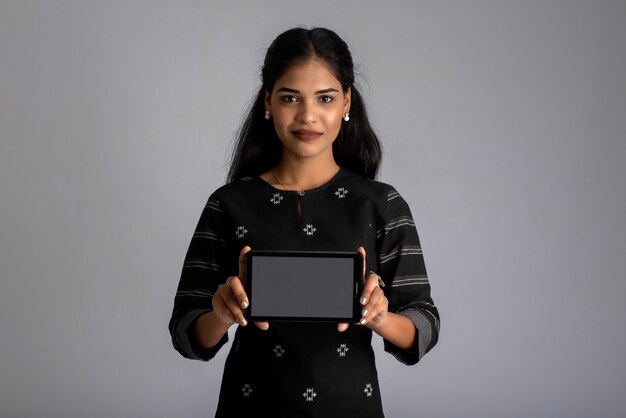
[{"x": 324, "y": 91}]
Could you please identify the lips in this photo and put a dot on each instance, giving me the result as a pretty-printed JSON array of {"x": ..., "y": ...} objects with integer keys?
[{"x": 306, "y": 135}]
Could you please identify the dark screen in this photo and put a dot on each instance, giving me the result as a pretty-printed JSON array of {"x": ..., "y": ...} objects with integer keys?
[{"x": 302, "y": 287}]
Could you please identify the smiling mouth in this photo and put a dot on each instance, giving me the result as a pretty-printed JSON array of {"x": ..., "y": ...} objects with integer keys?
[{"x": 305, "y": 134}]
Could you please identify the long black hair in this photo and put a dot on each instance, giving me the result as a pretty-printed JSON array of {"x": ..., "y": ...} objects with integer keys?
[{"x": 258, "y": 148}]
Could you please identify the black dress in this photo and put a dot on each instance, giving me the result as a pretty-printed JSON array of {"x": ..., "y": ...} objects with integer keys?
[{"x": 304, "y": 369}]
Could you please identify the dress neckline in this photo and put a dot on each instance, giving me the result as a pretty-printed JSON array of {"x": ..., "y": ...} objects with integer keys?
[{"x": 305, "y": 191}]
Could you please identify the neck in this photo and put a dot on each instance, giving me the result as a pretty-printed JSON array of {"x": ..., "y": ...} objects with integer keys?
[{"x": 302, "y": 174}]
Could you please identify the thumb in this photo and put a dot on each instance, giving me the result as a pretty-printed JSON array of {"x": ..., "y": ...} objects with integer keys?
[
  {"x": 242, "y": 262},
  {"x": 342, "y": 326},
  {"x": 361, "y": 251}
]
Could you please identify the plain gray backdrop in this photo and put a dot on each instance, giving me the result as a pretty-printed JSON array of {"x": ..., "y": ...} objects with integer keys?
[{"x": 503, "y": 125}]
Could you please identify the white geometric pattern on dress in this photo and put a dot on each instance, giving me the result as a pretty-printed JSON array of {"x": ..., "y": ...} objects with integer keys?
[
  {"x": 241, "y": 231},
  {"x": 279, "y": 351},
  {"x": 309, "y": 229},
  {"x": 276, "y": 198},
  {"x": 341, "y": 192},
  {"x": 247, "y": 390},
  {"x": 309, "y": 395},
  {"x": 368, "y": 389},
  {"x": 342, "y": 350}
]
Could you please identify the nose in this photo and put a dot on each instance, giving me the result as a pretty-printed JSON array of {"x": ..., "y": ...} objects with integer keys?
[{"x": 306, "y": 112}]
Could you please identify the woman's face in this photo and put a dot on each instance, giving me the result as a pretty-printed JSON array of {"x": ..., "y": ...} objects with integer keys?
[{"x": 307, "y": 105}]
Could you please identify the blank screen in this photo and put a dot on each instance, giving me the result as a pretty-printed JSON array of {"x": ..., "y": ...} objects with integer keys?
[{"x": 302, "y": 287}]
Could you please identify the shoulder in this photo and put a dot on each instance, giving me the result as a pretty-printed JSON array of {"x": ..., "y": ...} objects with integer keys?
[
  {"x": 232, "y": 195},
  {"x": 384, "y": 201},
  {"x": 373, "y": 189},
  {"x": 240, "y": 187},
  {"x": 388, "y": 202}
]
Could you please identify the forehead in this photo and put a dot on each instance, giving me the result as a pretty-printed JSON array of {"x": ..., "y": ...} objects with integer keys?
[{"x": 313, "y": 74}]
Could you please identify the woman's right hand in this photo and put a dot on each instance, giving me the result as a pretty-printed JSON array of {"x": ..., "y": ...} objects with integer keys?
[{"x": 230, "y": 299}]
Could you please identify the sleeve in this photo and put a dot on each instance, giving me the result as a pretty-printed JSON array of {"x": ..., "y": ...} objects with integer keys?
[
  {"x": 203, "y": 271},
  {"x": 400, "y": 263}
]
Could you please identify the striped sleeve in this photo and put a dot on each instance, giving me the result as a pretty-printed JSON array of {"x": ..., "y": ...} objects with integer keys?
[
  {"x": 401, "y": 265},
  {"x": 203, "y": 271}
]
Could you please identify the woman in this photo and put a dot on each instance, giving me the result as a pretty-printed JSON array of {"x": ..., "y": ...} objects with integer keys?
[{"x": 302, "y": 178}]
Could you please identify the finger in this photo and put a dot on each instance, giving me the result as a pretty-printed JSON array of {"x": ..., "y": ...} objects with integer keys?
[
  {"x": 361, "y": 251},
  {"x": 230, "y": 309},
  {"x": 232, "y": 302},
  {"x": 223, "y": 309},
  {"x": 383, "y": 305},
  {"x": 263, "y": 325},
  {"x": 220, "y": 309},
  {"x": 342, "y": 326},
  {"x": 376, "y": 305},
  {"x": 371, "y": 283},
  {"x": 238, "y": 292},
  {"x": 242, "y": 262}
]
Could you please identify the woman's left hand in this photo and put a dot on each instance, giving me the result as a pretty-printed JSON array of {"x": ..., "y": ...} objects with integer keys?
[{"x": 373, "y": 301}]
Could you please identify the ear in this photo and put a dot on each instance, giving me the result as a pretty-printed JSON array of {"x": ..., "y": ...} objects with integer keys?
[
  {"x": 347, "y": 98},
  {"x": 268, "y": 100}
]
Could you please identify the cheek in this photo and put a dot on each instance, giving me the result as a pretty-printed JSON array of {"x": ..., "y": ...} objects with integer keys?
[
  {"x": 280, "y": 122},
  {"x": 334, "y": 120}
]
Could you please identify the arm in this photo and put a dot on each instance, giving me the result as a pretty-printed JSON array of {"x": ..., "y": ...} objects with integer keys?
[
  {"x": 228, "y": 302},
  {"x": 210, "y": 329},
  {"x": 397, "y": 329},
  {"x": 203, "y": 272},
  {"x": 400, "y": 263}
]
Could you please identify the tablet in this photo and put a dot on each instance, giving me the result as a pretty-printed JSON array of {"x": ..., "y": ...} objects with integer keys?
[{"x": 303, "y": 286}]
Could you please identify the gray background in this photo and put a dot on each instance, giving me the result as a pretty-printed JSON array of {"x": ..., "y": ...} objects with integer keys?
[{"x": 504, "y": 127}]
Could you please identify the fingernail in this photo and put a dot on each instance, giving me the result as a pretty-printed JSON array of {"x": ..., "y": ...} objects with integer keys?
[
  {"x": 244, "y": 322},
  {"x": 363, "y": 301},
  {"x": 364, "y": 312},
  {"x": 363, "y": 321},
  {"x": 244, "y": 304}
]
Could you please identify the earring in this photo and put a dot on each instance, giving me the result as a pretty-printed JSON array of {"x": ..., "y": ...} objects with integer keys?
[
  {"x": 267, "y": 114},
  {"x": 346, "y": 117}
]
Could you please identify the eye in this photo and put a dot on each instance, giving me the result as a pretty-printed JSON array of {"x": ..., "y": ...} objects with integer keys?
[
  {"x": 289, "y": 99},
  {"x": 326, "y": 99}
]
